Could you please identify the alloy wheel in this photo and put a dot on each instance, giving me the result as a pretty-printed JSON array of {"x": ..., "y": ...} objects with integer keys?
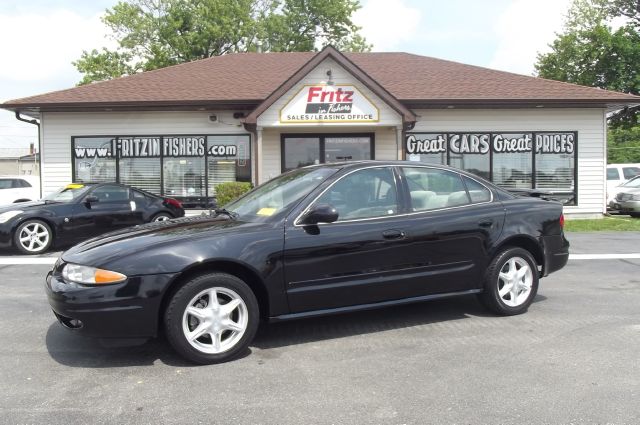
[
  {"x": 215, "y": 320},
  {"x": 34, "y": 237},
  {"x": 515, "y": 281}
]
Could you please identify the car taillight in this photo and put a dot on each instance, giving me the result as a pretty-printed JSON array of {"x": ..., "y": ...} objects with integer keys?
[
  {"x": 562, "y": 221},
  {"x": 173, "y": 202}
]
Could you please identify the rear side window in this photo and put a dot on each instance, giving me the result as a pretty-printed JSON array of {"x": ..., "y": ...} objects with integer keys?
[
  {"x": 477, "y": 192},
  {"x": 612, "y": 174},
  {"x": 432, "y": 189},
  {"x": 629, "y": 172},
  {"x": 6, "y": 183}
]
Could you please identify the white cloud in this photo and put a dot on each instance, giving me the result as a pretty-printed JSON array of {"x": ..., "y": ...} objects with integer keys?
[
  {"x": 41, "y": 47},
  {"x": 387, "y": 23},
  {"x": 525, "y": 28}
]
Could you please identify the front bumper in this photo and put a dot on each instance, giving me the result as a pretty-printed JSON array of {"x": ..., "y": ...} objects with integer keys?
[
  {"x": 556, "y": 253},
  {"x": 625, "y": 206},
  {"x": 126, "y": 310}
]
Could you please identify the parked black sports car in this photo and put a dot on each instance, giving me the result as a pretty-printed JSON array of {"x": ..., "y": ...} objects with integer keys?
[
  {"x": 316, "y": 240},
  {"x": 78, "y": 212}
]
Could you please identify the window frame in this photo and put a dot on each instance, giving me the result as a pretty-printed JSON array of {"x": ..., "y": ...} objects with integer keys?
[
  {"x": 321, "y": 140},
  {"x": 491, "y": 134},
  {"x": 116, "y": 156}
]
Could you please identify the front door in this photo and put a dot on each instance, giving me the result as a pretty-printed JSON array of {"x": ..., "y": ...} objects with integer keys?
[
  {"x": 114, "y": 210},
  {"x": 356, "y": 259}
]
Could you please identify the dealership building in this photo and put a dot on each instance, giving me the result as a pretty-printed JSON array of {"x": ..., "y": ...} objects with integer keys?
[{"x": 181, "y": 130}]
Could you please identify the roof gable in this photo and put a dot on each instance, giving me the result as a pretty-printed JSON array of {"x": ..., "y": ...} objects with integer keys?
[{"x": 330, "y": 52}]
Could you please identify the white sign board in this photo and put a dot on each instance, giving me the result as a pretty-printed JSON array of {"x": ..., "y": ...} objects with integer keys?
[{"x": 339, "y": 103}]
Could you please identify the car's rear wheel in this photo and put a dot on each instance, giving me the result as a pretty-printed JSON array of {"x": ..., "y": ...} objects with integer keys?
[
  {"x": 511, "y": 282},
  {"x": 33, "y": 237},
  {"x": 162, "y": 217},
  {"x": 212, "y": 318}
]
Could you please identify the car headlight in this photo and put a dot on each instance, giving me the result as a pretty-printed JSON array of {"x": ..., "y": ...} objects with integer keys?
[
  {"x": 6, "y": 216},
  {"x": 91, "y": 275}
]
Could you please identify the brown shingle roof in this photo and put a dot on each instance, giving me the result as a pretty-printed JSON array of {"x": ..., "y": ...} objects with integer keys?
[{"x": 251, "y": 77}]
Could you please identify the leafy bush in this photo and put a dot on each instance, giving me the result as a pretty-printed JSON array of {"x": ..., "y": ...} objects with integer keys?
[{"x": 228, "y": 191}]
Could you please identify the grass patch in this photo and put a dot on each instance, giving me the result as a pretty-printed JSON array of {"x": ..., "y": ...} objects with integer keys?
[{"x": 615, "y": 224}]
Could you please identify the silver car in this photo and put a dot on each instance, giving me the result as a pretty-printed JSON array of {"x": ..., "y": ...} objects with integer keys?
[{"x": 627, "y": 201}]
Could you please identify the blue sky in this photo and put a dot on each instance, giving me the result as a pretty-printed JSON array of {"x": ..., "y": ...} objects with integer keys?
[{"x": 41, "y": 38}]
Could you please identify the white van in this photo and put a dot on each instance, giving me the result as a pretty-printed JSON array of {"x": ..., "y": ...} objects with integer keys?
[
  {"x": 19, "y": 189},
  {"x": 618, "y": 174}
]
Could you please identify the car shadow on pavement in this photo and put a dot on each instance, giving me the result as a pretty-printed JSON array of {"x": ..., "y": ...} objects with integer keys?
[
  {"x": 293, "y": 332},
  {"x": 73, "y": 350}
]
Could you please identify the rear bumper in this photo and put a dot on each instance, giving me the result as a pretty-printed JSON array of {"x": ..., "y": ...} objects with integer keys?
[
  {"x": 127, "y": 310},
  {"x": 556, "y": 253}
]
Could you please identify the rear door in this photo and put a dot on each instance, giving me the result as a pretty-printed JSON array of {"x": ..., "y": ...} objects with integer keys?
[{"x": 452, "y": 225}]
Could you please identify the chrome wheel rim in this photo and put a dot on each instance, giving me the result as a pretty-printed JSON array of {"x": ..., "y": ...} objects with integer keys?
[
  {"x": 162, "y": 218},
  {"x": 515, "y": 281},
  {"x": 34, "y": 237},
  {"x": 215, "y": 320}
]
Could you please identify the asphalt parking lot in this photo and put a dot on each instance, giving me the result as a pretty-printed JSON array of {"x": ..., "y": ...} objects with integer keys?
[{"x": 573, "y": 358}]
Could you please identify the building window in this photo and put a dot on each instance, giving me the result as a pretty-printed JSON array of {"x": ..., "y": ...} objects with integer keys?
[
  {"x": 94, "y": 159},
  {"x": 300, "y": 150},
  {"x": 522, "y": 160},
  {"x": 184, "y": 167}
]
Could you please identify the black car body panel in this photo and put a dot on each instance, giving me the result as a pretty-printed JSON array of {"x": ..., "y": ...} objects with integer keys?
[
  {"x": 301, "y": 270},
  {"x": 75, "y": 221}
]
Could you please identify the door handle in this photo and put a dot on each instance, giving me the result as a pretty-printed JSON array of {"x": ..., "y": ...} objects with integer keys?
[
  {"x": 393, "y": 234},
  {"x": 485, "y": 223}
]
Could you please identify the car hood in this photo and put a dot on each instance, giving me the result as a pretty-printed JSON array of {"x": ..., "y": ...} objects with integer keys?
[
  {"x": 630, "y": 190},
  {"x": 23, "y": 206},
  {"x": 113, "y": 246}
]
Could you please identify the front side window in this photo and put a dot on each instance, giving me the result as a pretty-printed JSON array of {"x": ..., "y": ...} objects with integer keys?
[
  {"x": 362, "y": 194},
  {"x": 6, "y": 183},
  {"x": 432, "y": 189},
  {"x": 111, "y": 193}
]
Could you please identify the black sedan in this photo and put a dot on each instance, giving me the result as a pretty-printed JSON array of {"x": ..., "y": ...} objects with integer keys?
[
  {"x": 317, "y": 240},
  {"x": 78, "y": 212}
]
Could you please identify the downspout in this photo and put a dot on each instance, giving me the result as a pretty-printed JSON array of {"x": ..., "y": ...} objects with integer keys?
[{"x": 39, "y": 154}]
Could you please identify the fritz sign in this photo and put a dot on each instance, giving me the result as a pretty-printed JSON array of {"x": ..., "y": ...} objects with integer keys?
[{"x": 329, "y": 104}]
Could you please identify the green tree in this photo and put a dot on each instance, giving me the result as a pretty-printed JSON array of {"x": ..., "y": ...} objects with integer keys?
[
  {"x": 591, "y": 52},
  {"x": 152, "y": 34}
]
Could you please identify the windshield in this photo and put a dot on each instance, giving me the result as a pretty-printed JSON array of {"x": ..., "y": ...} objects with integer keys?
[
  {"x": 279, "y": 194},
  {"x": 634, "y": 182},
  {"x": 68, "y": 193}
]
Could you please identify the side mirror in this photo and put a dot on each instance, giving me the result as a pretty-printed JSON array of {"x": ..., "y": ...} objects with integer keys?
[
  {"x": 322, "y": 213},
  {"x": 91, "y": 199}
]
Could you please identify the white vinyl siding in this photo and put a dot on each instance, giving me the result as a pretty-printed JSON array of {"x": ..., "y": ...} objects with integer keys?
[{"x": 589, "y": 123}]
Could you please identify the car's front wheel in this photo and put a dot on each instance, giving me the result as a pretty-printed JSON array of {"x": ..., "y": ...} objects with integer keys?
[
  {"x": 33, "y": 237},
  {"x": 511, "y": 282},
  {"x": 212, "y": 318}
]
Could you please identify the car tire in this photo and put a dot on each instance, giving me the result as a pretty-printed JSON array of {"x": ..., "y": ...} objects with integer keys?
[
  {"x": 634, "y": 214},
  {"x": 33, "y": 237},
  {"x": 511, "y": 282},
  {"x": 161, "y": 216},
  {"x": 207, "y": 333}
]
